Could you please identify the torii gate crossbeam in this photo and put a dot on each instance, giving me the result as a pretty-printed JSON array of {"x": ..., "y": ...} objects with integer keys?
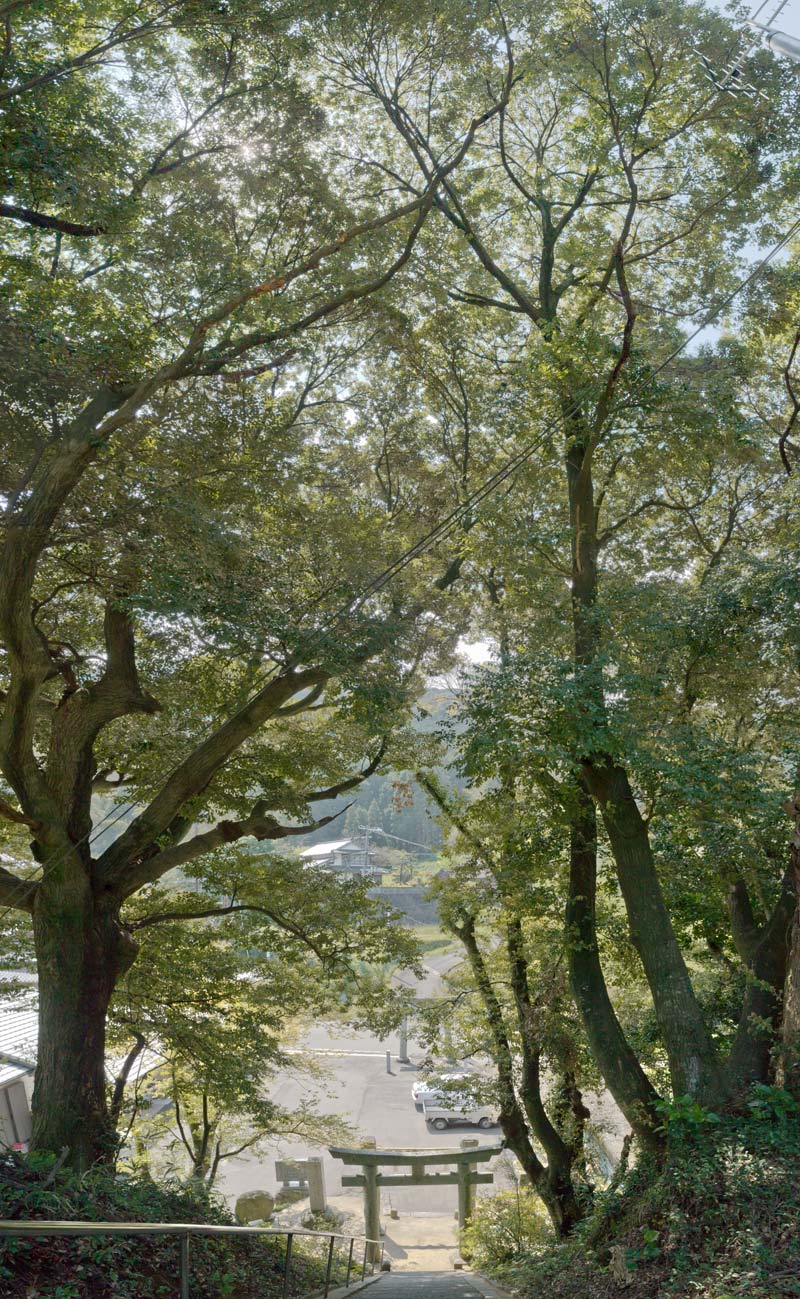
[{"x": 371, "y": 1180}]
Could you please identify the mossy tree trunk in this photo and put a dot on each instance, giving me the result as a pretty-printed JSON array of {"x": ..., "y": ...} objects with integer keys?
[
  {"x": 617, "y": 1062},
  {"x": 790, "y": 1067},
  {"x": 523, "y": 1116},
  {"x": 82, "y": 950},
  {"x": 694, "y": 1066}
]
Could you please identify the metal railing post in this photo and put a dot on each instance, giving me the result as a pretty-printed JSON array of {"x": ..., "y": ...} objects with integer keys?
[
  {"x": 287, "y": 1263},
  {"x": 350, "y": 1261},
  {"x": 330, "y": 1265},
  {"x": 44, "y": 1228},
  {"x": 184, "y": 1248}
]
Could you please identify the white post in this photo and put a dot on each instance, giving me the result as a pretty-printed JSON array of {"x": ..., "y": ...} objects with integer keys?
[{"x": 403, "y": 1053}]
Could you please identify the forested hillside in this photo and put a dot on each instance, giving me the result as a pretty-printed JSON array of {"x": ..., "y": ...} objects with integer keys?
[{"x": 393, "y": 801}]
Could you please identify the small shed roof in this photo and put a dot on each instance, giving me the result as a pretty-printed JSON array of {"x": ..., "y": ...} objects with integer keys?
[
  {"x": 19, "y": 1040},
  {"x": 19, "y": 1031}
]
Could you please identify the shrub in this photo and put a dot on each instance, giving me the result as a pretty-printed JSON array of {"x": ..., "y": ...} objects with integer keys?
[
  {"x": 506, "y": 1227},
  {"x": 131, "y": 1268},
  {"x": 719, "y": 1219}
]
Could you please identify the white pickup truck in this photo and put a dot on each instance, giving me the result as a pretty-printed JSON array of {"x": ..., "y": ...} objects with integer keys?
[{"x": 442, "y": 1110}]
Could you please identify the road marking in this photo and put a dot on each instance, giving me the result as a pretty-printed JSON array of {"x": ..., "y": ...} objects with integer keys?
[{"x": 320, "y": 1050}]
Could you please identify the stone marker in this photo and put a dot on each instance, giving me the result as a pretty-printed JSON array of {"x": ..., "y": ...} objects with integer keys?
[
  {"x": 316, "y": 1185},
  {"x": 292, "y": 1172},
  {"x": 254, "y": 1206}
]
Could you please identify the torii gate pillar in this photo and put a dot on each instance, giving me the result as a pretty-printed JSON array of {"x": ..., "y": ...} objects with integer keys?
[
  {"x": 466, "y": 1177},
  {"x": 372, "y": 1211}
]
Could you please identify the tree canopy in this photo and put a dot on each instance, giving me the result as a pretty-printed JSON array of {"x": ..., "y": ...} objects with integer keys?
[{"x": 331, "y": 337}]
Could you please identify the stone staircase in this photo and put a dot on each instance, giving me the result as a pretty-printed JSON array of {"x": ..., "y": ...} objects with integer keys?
[{"x": 429, "y": 1285}]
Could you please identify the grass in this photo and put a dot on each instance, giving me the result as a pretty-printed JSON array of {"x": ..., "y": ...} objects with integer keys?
[{"x": 433, "y": 939}]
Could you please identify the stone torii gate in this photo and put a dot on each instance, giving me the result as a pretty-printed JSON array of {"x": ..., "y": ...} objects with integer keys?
[{"x": 465, "y": 1177}]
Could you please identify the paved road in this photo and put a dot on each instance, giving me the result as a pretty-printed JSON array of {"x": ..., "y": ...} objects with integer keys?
[
  {"x": 354, "y": 1083},
  {"x": 356, "y": 1086}
]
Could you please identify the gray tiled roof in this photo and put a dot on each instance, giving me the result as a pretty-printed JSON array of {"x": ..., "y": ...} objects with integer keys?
[{"x": 19, "y": 1031}]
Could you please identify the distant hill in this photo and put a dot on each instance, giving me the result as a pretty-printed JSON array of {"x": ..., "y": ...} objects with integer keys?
[{"x": 394, "y": 802}]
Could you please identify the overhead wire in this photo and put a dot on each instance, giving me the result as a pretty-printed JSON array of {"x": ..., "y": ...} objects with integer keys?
[{"x": 426, "y": 848}]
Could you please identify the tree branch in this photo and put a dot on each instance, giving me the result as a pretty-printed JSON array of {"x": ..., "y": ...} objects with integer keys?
[
  {"x": 783, "y": 441},
  {"x": 289, "y": 710},
  {"x": 92, "y": 55},
  {"x": 210, "y": 913},
  {"x": 40, "y": 220},
  {"x": 121, "y": 864},
  {"x": 11, "y": 813},
  {"x": 333, "y": 791},
  {"x": 258, "y": 825},
  {"x": 15, "y": 891},
  {"x": 746, "y": 933},
  {"x": 124, "y": 1074}
]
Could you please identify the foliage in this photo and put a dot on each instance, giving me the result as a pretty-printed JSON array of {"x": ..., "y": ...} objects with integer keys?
[
  {"x": 717, "y": 1221},
  {"x": 220, "y": 1000},
  {"x": 189, "y": 261},
  {"x": 104, "y": 1268},
  {"x": 505, "y": 1229}
]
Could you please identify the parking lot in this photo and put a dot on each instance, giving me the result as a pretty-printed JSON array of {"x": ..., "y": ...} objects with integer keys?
[{"x": 377, "y": 1103}]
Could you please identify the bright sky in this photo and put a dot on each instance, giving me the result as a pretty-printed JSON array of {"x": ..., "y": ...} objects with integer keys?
[{"x": 789, "y": 19}]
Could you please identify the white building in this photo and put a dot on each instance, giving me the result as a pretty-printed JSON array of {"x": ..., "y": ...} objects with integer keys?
[
  {"x": 345, "y": 857},
  {"x": 18, "y": 1037}
]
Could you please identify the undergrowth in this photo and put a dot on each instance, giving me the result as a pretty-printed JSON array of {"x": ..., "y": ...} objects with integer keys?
[
  {"x": 138, "y": 1267},
  {"x": 718, "y": 1219}
]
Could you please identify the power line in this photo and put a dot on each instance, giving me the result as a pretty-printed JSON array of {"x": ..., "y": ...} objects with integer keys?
[
  {"x": 456, "y": 518},
  {"x": 374, "y": 829}
]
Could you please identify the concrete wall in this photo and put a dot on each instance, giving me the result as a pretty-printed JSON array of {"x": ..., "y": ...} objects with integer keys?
[{"x": 412, "y": 901}]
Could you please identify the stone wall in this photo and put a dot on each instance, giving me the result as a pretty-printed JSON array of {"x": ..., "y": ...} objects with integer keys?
[{"x": 413, "y": 901}]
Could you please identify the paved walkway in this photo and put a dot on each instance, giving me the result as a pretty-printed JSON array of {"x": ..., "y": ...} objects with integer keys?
[
  {"x": 420, "y": 1242},
  {"x": 426, "y": 1285}
]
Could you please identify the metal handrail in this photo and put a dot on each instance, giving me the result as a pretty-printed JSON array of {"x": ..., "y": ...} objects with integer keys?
[{"x": 184, "y": 1230}]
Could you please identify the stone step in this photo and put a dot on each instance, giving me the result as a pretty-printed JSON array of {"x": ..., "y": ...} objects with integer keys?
[{"x": 425, "y": 1285}]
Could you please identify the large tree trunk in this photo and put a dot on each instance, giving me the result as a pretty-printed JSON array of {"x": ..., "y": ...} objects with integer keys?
[
  {"x": 790, "y": 1060},
  {"x": 552, "y": 1181},
  {"x": 694, "y": 1067},
  {"x": 81, "y": 951},
  {"x": 557, "y": 1189},
  {"x": 623, "y": 1075},
  {"x": 693, "y": 1062},
  {"x": 765, "y": 953}
]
